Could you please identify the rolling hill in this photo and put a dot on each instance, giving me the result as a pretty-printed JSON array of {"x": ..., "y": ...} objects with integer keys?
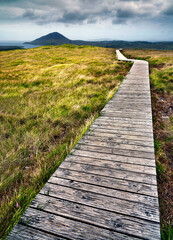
[{"x": 54, "y": 38}]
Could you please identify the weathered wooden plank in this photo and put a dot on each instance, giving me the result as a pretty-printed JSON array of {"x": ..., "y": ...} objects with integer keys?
[
  {"x": 132, "y": 116},
  {"x": 109, "y": 127},
  {"x": 143, "y": 97},
  {"x": 132, "y": 92},
  {"x": 142, "y": 86},
  {"x": 139, "y": 86},
  {"x": 116, "y": 145},
  {"x": 23, "y": 232},
  {"x": 111, "y": 110},
  {"x": 135, "y": 105},
  {"x": 113, "y": 102},
  {"x": 115, "y": 99},
  {"x": 131, "y": 79},
  {"x": 131, "y": 111},
  {"x": 133, "y": 197},
  {"x": 143, "y": 81},
  {"x": 136, "y": 87},
  {"x": 124, "y": 108},
  {"x": 130, "y": 131},
  {"x": 120, "y": 124},
  {"x": 128, "y": 88},
  {"x": 126, "y": 132},
  {"x": 118, "y": 141},
  {"x": 126, "y": 105},
  {"x": 136, "y": 98},
  {"x": 139, "y": 123},
  {"x": 99, "y": 217},
  {"x": 125, "y": 89},
  {"x": 110, "y": 150},
  {"x": 125, "y": 120},
  {"x": 131, "y": 176},
  {"x": 113, "y": 165},
  {"x": 69, "y": 229},
  {"x": 115, "y": 123},
  {"x": 106, "y": 181},
  {"x": 139, "y": 210},
  {"x": 132, "y": 105},
  {"x": 125, "y": 101},
  {"x": 136, "y": 78},
  {"x": 135, "y": 94},
  {"x": 121, "y": 95},
  {"x": 127, "y": 111},
  {"x": 128, "y": 115},
  {"x": 123, "y": 131},
  {"x": 113, "y": 157},
  {"x": 137, "y": 136}
]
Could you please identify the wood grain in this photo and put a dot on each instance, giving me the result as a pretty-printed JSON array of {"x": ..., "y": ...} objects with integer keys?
[
  {"x": 69, "y": 229},
  {"x": 106, "y": 181},
  {"x": 134, "y": 209},
  {"x": 99, "y": 217}
]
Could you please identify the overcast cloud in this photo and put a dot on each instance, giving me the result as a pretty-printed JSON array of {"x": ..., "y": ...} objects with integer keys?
[{"x": 103, "y": 13}]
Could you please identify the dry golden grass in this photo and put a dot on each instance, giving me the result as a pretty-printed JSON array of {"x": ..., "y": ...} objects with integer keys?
[{"x": 48, "y": 97}]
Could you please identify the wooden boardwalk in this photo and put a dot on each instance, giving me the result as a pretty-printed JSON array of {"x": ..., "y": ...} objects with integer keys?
[{"x": 106, "y": 188}]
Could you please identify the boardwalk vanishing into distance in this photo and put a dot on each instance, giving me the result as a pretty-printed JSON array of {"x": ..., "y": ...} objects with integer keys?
[{"x": 106, "y": 188}]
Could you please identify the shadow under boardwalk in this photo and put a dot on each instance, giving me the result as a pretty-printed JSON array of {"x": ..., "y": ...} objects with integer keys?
[{"x": 106, "y": 188}]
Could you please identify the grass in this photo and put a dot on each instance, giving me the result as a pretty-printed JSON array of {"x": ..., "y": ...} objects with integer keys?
[
  {"x": 161, "y": 79},
  {"x": 48, "y": 98}
]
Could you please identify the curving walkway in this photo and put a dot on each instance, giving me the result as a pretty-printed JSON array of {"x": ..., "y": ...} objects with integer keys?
[{"x": 106, "y": 188}]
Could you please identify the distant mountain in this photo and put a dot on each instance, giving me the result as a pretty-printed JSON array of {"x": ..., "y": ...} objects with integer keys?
[{"x": 56, "y": 38}]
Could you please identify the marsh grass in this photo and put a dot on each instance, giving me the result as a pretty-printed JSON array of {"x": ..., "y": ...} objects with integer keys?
[
  {"x": 48, "y": 98},
  {"x": 161, "y": 80}
]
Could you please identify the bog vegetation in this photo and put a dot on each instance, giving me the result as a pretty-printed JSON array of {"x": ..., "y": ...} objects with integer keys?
[
  {"x": 161, "y": 78},
  {"x": 48, "y": 97}
]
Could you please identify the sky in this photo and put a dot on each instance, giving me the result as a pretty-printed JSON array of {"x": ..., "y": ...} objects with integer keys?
[{"x": 144, "y": 20}]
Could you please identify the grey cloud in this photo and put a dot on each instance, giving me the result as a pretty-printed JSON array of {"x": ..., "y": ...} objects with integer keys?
[
  {"x": 125, "y": 13},
  {"x": 73, "y": 17},
  {"x": 87, "y": 11},
  {"x": 30, "y": 14},
  {"x": 119, "y": 21},
  {"x": 169, "y": 10}
]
